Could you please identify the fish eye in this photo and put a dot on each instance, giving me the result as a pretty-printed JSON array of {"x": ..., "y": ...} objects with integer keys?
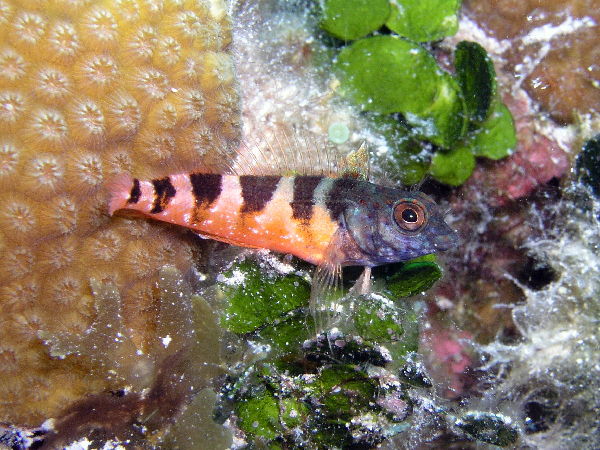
[{"x": 409, "y": 216}]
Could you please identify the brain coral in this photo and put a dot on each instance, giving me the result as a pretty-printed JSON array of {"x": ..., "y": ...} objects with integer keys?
[{"x": 90, "y": 89}]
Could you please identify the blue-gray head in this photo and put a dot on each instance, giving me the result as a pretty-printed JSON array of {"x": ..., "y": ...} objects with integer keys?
[{"x": 391, "y": 225}]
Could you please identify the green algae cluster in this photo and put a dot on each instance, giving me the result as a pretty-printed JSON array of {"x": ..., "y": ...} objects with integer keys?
[
  {"x": 418, "y": 20},
  {"x": 254, "y": 302},
  {"x": 356, "y": 385},
  {"x": 385, "y": 69},
  {"x": 353, "y": 19},
  {"x": 329, "y": 390}
]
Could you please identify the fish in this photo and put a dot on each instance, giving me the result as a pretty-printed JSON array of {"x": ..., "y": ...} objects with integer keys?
[{"x": 331, "y": 222}]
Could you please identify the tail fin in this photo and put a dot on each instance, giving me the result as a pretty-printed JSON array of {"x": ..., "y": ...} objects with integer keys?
[{"x": 120, "y": 189}]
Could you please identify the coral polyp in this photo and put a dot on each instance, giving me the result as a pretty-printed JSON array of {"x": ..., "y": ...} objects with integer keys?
[
  {"x": 47, "y": 128},
  {"x": 12, "y": 106},
  {"x": 99, "y": 30},
  {"x": 12, "y": 66},
  {"x": 52, "y": 85},
  {"x": 28, "y": 30},
  {"x": 62, "y": 43},
  {"x": 44, "y": 175},
  {"x": 97, "y": 75}
]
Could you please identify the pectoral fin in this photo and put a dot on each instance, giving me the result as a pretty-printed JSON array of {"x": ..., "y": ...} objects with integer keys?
[
  {"x": 328, "y": 302},
  {"x": 326, "y": 294}
]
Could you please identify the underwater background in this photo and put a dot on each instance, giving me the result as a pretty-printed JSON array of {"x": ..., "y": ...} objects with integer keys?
[{"x": 121, "y": 332}]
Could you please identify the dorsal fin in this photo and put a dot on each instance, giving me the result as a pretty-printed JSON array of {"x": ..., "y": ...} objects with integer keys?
[
  {"x": 356, "y": 164},
  {"x": 288, "y": 154},
  {"x": 285, "y": 154}
]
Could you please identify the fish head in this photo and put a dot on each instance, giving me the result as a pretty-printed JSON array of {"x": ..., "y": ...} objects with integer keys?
[{"x": 396, "y": 225}]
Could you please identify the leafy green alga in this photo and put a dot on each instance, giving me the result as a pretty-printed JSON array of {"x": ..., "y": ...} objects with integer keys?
[
  {"x": 424, "y": 20},
  {"x": 453, "y": 118},
  {"x": 448, "y": 115},
  {"x": 387, "y": 74},
  {"x": 285, "y": 408},
  {"x": 413, "y": 278},
  {"x": 353, "y": 19},
  {"x": 453, "y": 167},
  {"x": 381, "y": 321},
  {"x": 259, "y": 415},
  {"x": 497, "y": 137},
  {"x": 477, "y": 78},
  {"x": 254, "y": 301},
  {"x": 408, "y": 159},
  {"x": 316, "y": 391},
  {"x": 345, "y": 390},
  {"x": 378, "y": 319},
  {"x": 287, "y": 334}
]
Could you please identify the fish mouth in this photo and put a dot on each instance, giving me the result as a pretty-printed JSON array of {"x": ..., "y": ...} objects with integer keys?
[{"x": 447, "y": 240}]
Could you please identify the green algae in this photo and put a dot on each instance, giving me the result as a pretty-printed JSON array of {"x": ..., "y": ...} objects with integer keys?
[
  {"x": 477, "y": 78},
  {"x": 413, "y": 277},
  {"x": 452, "y": 117},
  {"x": 424, "y": 21},
  {"x": 381, "y": 321},
  {"x": 496, "y": 138},
  {"x": 460, "y": 115},
  {"x": 421, "y": 21},
  {"x": 345, "y": 390},
  {"x": 387, "y": 74},
  {"x": 453, "y": 167},
  {"x": 378, "y": 320},
  {"x": 408, "y": 160},
  {"x": 277, "y": 410},
  {"x": 314, "y": 390},
  {"x": 353, "y": 19},
  {"x": 252, "y": 302},
  {"x": 259, "y": 415},
  {"x": 447, "y": 114}
]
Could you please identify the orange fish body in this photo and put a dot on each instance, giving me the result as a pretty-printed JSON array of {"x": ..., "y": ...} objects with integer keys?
[
  {"x": 325, "y": 221},
  {"x": 284, "y": 214}
]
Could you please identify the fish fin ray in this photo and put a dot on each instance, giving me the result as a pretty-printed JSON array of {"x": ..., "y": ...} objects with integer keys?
[
  {"x": 356, "y": 164},
  {"x": 326, "y": 295},
  {"x": 119, "y": 188},
  {"x": 362, "y": 286},
  {"x": 287, "y": 154}
]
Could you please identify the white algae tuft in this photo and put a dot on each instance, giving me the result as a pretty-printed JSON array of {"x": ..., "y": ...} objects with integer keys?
[{"x": 550, "y": 381}]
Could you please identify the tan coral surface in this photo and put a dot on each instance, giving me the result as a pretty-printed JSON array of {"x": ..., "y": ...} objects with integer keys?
[
  {"x": 555, "y": 45},
  {"x": 90, "y": 89}
]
